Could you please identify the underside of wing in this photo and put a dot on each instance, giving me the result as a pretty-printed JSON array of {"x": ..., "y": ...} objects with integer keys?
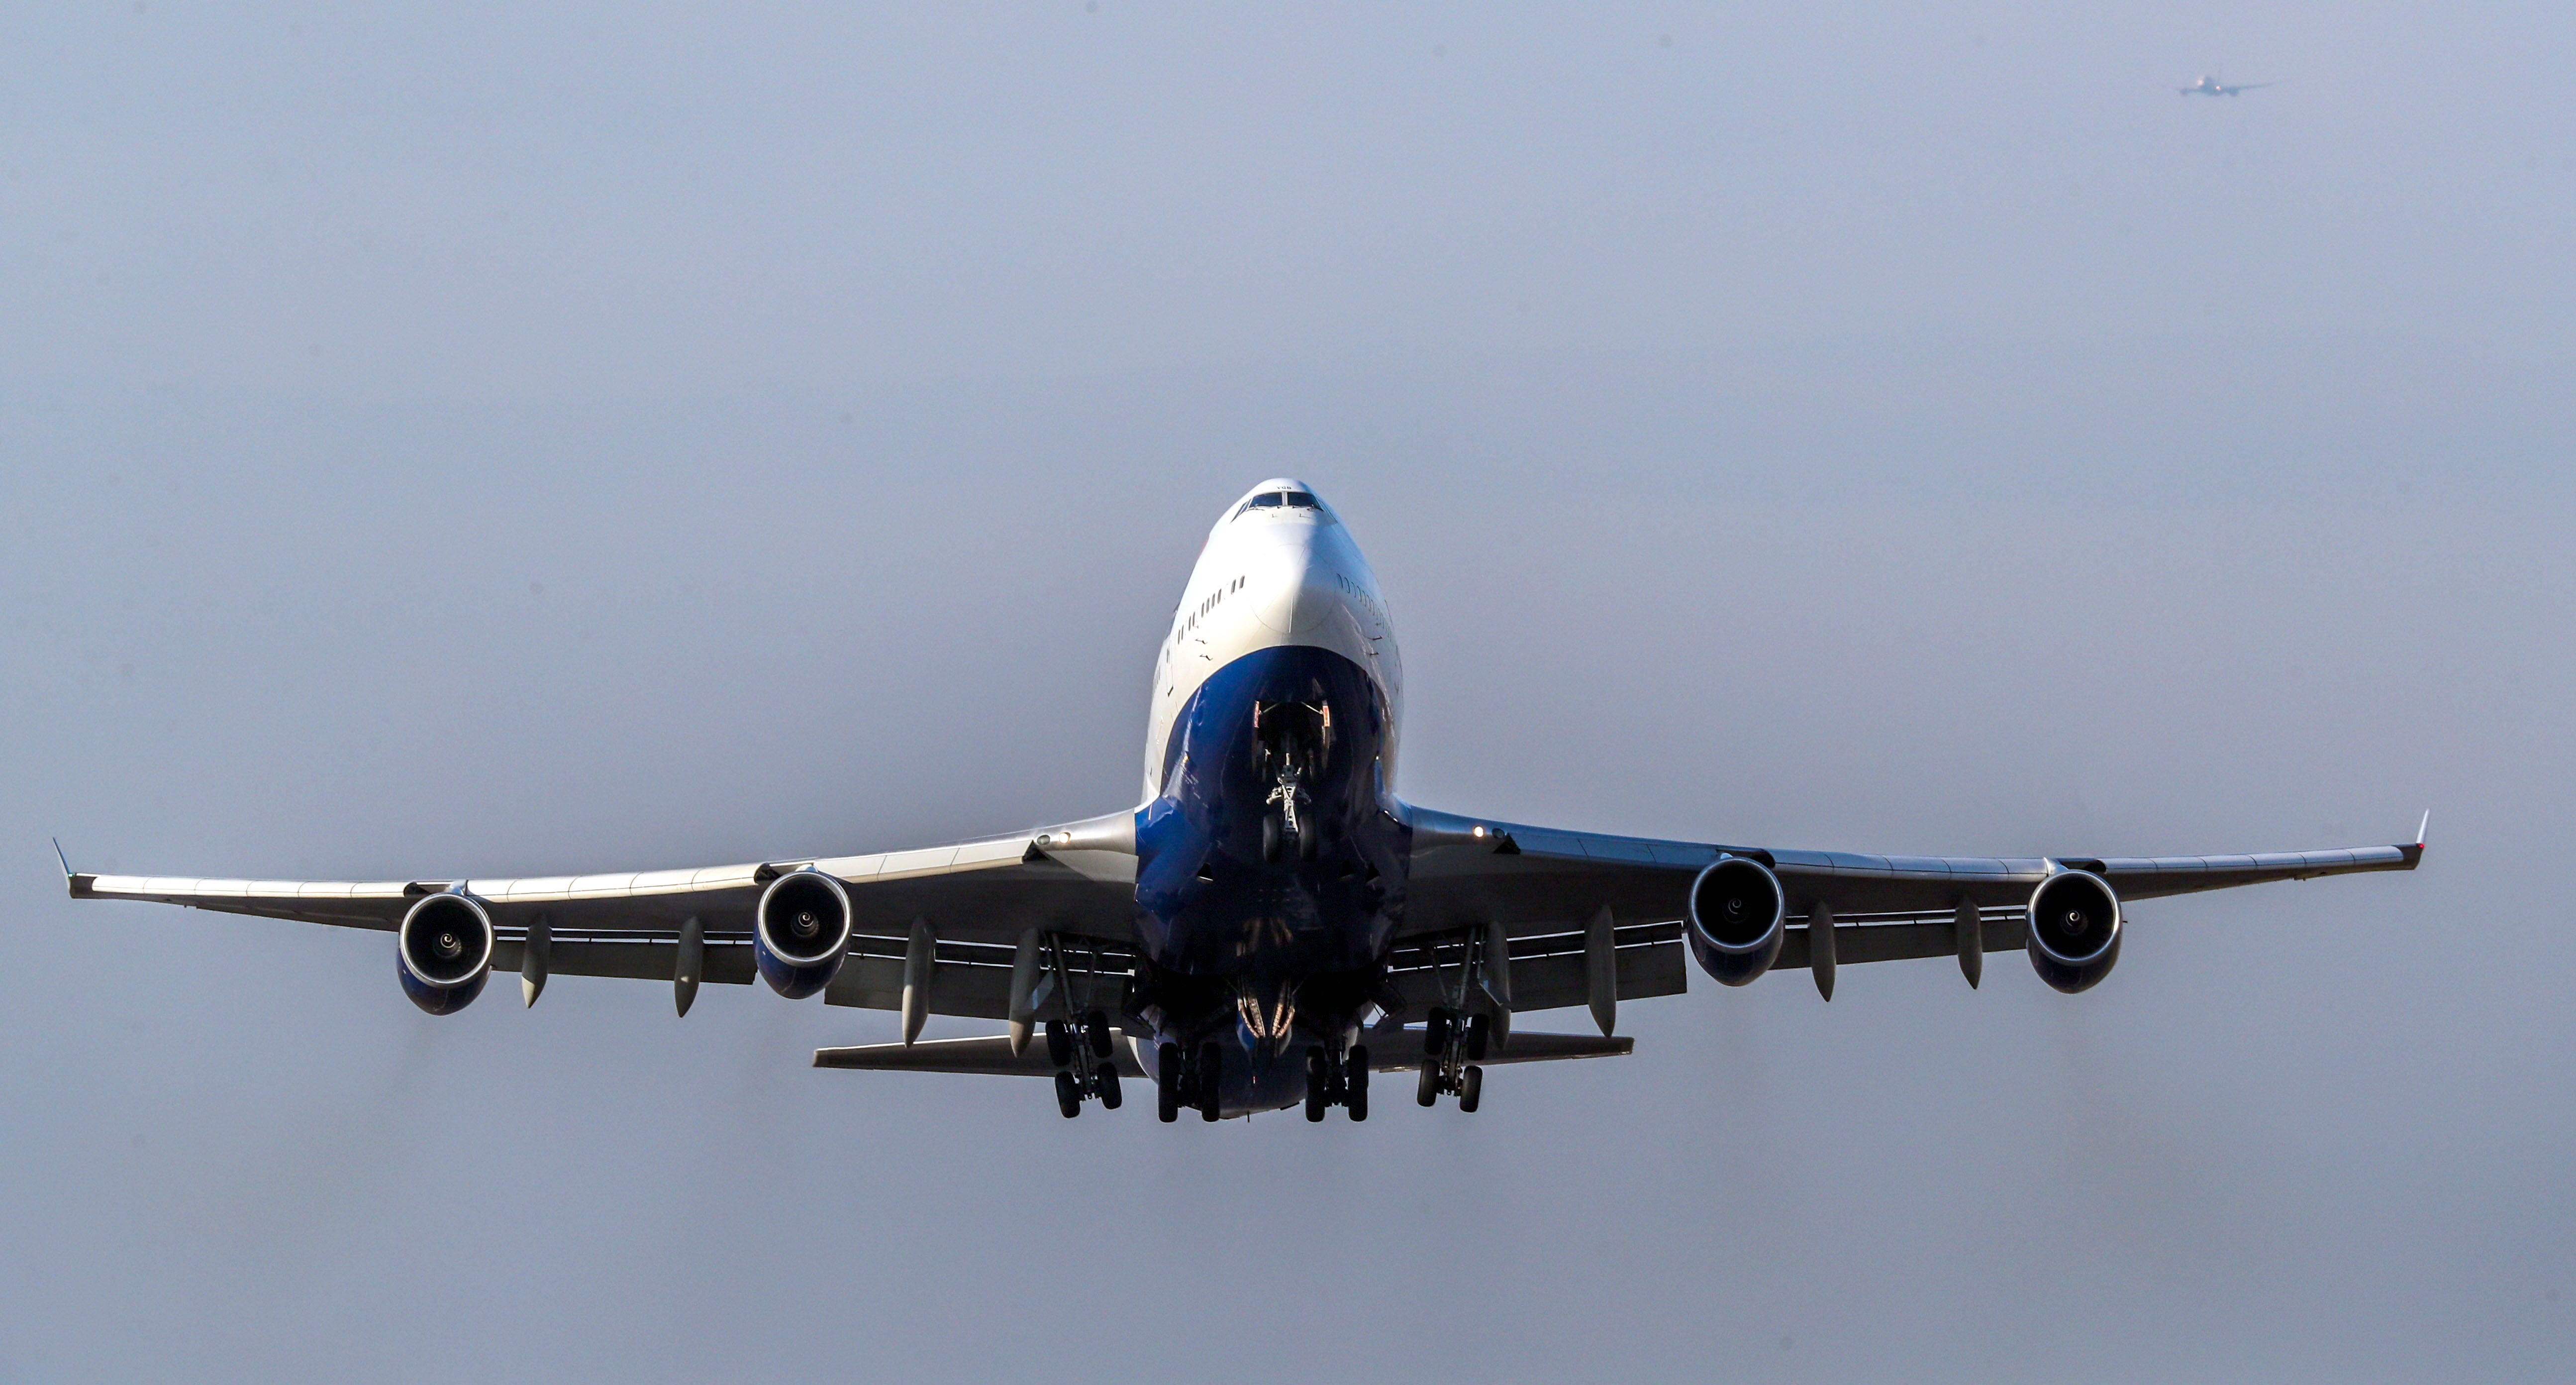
[
  {"x": 1542, "y": 885},
  {"x": 975, "y": 899}
]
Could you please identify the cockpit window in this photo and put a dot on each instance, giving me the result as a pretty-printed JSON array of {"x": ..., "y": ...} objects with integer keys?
[{"x": 1272, "y": 500}]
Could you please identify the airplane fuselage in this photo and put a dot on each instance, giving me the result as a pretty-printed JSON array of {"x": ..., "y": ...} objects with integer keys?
[{"x": 1271, "y": 852}]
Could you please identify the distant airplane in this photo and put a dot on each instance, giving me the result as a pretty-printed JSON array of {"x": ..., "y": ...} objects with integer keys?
[
  {"x": 1269, "y": 924},
  {"x": 2211, "y": 86}
]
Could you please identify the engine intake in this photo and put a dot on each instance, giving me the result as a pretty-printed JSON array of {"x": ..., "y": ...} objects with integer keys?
[
  {"x": 443, "y": 952},
  {"x": 2074, "y": 930},
  {"x": 1737, "y": 918},
  {"x": 800, "y": 932}
]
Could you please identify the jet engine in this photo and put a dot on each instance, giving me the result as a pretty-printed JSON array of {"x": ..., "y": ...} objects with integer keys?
[
  {"x": 1737, "y": 919},
  {"x": 443, "y": 952},
  {"x": 2074, "y": 930},
  {"x": 800, "y": 931}
]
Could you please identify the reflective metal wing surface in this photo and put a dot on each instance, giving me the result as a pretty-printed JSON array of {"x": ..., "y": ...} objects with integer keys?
[{"x": 975, "y": 898}]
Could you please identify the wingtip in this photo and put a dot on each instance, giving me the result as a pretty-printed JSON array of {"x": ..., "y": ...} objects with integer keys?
[
  {"x": 2419, "y": 829},
  {"x": 64, "y": 860}
]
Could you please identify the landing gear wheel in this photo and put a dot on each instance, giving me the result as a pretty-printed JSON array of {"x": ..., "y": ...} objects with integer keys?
[
  {"x": 1427, "y": 1091},
  {"x": 1472, "y": 1090},
  {"x": 1167, "y": 1083},
  {"x": 1095, "y": 1032},
  {"x": 1211, "y": 1082},
  {"x": 1270, "y": 835},
  {"x": 1110, "y": 1096},
  {"x": 1355, "y": 1072},
  {"x": 1059, "y": 1044},
  {"x": 1435, "y": 1034},
  {"x": 1308, "y": 842},
  {"x": 1319, "y": 1084},
  {"x": 1068, "y": 1095},
  {"x": 1480, "y": 1031}
]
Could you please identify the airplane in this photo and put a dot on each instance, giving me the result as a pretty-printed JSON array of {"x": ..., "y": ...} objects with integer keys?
[
  {"x": 1270, "y": 924},
  {"x": 2211, "y": 86}
]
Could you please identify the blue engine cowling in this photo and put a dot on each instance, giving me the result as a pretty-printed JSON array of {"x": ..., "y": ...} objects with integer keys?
[
  {"x": 443, "y": 952},
  {"x": 800, "y": 931},
  {"x": 1737, "y": 918},
  {"x": 2074, "y": 930}
]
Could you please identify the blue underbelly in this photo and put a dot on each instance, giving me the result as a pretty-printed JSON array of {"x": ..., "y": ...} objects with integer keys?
[{"x": 1224, "y": 888}]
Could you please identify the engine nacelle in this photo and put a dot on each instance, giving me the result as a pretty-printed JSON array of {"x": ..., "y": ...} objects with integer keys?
[
  {"x": 1737, "y": 918},
  {"x": 443, "y": 952},
  {"x": 800, "y": 931},
  {"x": 2074, "y": 930}
]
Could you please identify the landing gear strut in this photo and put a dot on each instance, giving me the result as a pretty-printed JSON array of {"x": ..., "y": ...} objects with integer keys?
[
  {"x": 1084, "y": 1068},
  {"x": 1330, "y": 1083},
  {"x": 1451, "y": 1050}
]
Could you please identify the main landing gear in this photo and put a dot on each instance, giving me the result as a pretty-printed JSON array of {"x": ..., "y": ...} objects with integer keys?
[
  {"x": 1084, "y": 1063},
  {"x": 1451, "y": 1050},
  {"x": 1343, "y": 1083},
  {"x": 1182, "y": 1078}
]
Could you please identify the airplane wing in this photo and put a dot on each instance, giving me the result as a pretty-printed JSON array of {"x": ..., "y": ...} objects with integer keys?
[
  {"x": 1544, "y": 887},
  {"x": 1075, "y": 880}
]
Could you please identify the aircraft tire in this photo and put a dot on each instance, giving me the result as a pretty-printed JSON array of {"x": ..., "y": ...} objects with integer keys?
[
  {"x": 1068, "y": 1095},
  {"x": 1110, "y": 1096},
  {"x": 1427, "y": 1091},
  {"x": 1355, "y": 1076},
  {"x": 1167, "y": 1083},
  {"x": 1472, "y": 1090}
]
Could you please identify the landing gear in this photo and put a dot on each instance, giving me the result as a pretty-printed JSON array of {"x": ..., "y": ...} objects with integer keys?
[
  {"x": 1184, "y": 1079},
  {"x": 1331, "y": 1083},
  {"x": 1167, "y": 1083},
  {"x": 1210, "y": 1083},
  {"x": 1451, "y": 1050},
  {"x": 1084, "y": 1067}
]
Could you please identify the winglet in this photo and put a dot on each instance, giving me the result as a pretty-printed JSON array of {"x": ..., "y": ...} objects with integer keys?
[
  {"x": 73, "y": 881},
  {"x": 2419, "y": 828}
]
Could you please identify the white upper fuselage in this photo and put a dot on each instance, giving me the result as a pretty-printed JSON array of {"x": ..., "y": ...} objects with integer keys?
[{"x": 1273, "y": 573}]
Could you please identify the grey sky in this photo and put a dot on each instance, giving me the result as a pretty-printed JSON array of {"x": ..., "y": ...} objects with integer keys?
[{"x": 449, "y": 439}]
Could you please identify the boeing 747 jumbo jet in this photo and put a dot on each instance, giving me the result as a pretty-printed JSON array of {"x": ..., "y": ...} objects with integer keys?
[{"x": 1271, "y": 924}]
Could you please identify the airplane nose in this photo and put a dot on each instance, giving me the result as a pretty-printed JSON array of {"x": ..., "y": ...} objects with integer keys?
[{"x": 1295, "y": 590}]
